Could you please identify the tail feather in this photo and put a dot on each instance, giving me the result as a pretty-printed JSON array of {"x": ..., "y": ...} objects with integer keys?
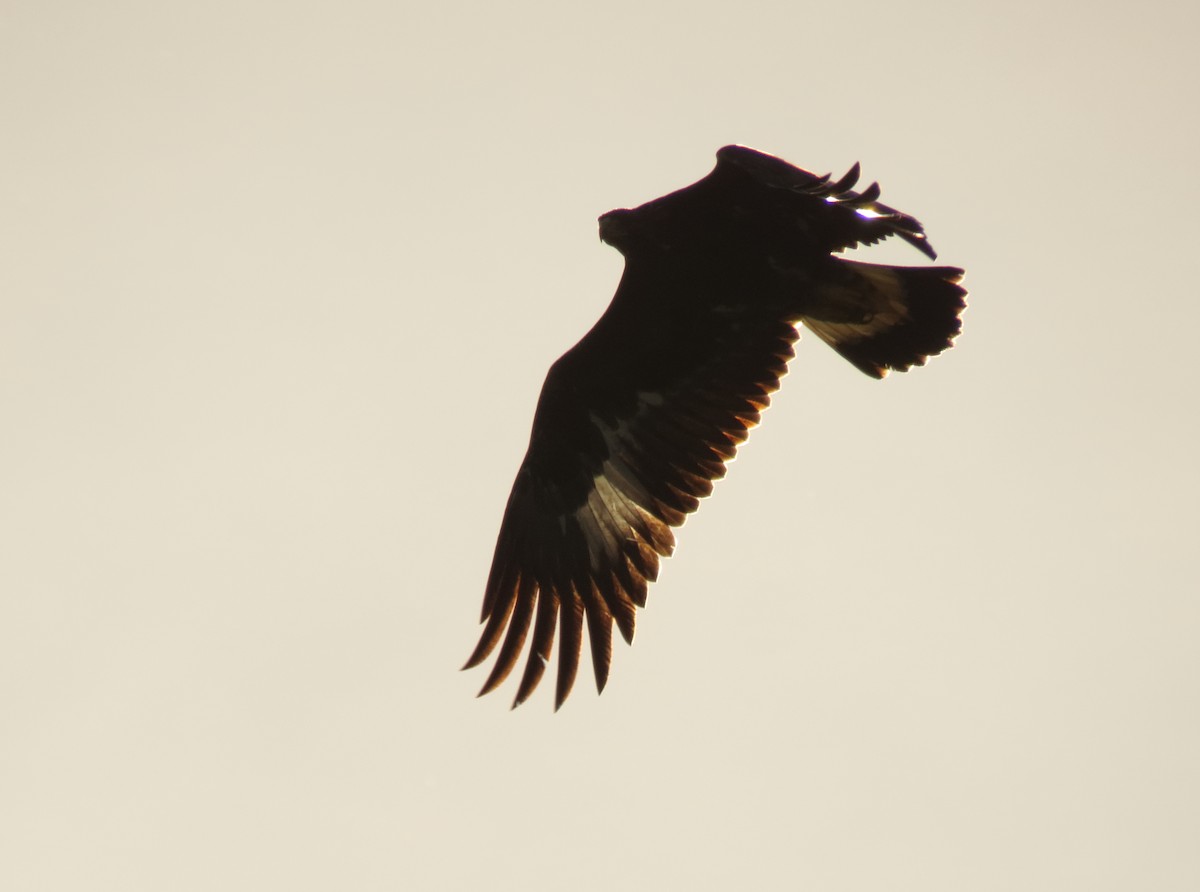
[{"x": 888, "y": 318}]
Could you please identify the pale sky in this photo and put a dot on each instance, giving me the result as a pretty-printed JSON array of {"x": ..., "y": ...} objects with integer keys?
[{"x": 279, "y": 283}]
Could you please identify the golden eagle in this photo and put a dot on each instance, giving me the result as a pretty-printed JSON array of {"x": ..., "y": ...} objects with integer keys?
[{"x": 638, "y": 419}]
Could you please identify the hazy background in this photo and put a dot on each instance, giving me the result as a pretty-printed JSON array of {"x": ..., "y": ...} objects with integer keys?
[{"x": 279, "y": 283}]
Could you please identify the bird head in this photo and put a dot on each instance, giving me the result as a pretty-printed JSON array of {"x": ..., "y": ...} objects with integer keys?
[{"x": 619, "y": 229}]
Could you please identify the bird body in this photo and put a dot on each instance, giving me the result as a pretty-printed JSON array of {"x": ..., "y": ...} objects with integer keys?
[{"x": 638, "y": 419}]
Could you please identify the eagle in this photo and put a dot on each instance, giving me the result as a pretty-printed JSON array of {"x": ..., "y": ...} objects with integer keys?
[{"x": 638, "y": 419}]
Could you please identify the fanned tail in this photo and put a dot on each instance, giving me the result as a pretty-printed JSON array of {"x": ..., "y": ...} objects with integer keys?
[{"x": 887, "y": 318}]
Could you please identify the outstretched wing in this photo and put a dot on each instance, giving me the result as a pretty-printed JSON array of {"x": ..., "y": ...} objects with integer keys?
[
  {"x": 844, "y": 218},
  {"x": 632, "y": 427}
]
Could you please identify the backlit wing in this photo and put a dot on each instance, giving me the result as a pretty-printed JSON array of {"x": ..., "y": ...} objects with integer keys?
[{"x": 633, "y": 426}]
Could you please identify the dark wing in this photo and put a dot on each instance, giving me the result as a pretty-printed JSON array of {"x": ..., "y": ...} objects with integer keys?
[
  {"x": 632, "y": 426},
  {"x": 843, "y": 218}
]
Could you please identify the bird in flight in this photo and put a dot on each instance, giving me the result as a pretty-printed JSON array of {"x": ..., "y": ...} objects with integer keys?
[{"x": 638, "y": 419}]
